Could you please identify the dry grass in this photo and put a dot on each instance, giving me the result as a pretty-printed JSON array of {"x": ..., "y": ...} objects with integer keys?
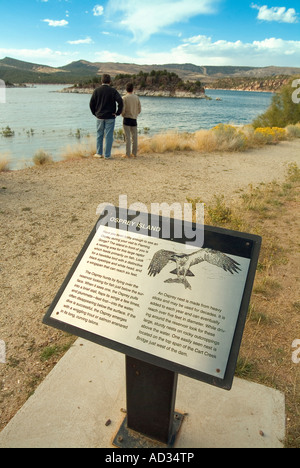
[
  {"x": 293, "y": 131},
  {"x": 41, "y": 158},
  {"x": 224, "y": 138},
  {"x": 84, "y": 149},
  {"x": 4, "y": 162},
  {"x": 221, "y": 138},
  {"x": 271, "y": 211}
]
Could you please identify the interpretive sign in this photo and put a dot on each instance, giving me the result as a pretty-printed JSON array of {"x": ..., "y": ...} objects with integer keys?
[{"x": 169, "y": 302}]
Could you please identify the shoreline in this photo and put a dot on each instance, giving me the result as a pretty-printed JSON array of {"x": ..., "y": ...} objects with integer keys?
[
  {"x": 87, "y": 91},
  {"x": 146, "y": 93},
  {"x": 286, "y": 150},
  {"x": 167, "y": 94},
  {"x": 227, "y": 138},
  {"x": 242, "y": 90}
]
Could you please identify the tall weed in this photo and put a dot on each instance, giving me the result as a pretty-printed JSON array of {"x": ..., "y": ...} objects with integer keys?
[
  {"x": 84, "y": 149},
  {"x": 41, "y": 158},
  {"x": 4, "y": 162}
]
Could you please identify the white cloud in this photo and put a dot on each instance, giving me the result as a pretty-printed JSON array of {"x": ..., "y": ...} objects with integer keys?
[
  {"x": 88, "y": 40},
  {"x": 56, "y": 24},
  {"x": 143, "y": 18},
  {"x": 271, "y": 51},
  {"x": 108, "y": 56},
  {"x": 202, "y": 50},
  {"x": 98, "y": 10},
  {"x": 278, "y": 14}
]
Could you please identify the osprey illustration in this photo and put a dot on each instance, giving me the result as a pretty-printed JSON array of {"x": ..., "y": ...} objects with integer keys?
[{"x": 185, "y": 261}]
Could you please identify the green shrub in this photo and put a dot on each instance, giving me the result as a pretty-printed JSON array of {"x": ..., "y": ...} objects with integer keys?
[
  {"x": 293, "y": 131},
  {"x": 282, "y": 112},
  {"x": 7, "y": 132}
]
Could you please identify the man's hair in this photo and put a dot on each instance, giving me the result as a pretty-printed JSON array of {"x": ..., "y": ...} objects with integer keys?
[
  {"x": 129, "y": 87},
  {"x": 106, "y": 79}
]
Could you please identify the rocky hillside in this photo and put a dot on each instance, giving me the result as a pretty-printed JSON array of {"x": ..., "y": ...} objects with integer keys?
[{"x": 269, "y": 83}]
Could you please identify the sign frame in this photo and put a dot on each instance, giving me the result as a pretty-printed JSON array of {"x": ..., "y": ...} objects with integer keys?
[{"x": 227, "y": 241}]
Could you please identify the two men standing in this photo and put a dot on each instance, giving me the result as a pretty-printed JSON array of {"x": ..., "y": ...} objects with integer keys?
[{"x": 106, "y": 104}]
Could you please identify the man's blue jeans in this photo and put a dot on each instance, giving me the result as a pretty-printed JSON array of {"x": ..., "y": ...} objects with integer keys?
[{"x": 105, "y": 129}]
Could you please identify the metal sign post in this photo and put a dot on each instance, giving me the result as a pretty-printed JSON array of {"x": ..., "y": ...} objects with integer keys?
[{"x": 151, "y": 395}]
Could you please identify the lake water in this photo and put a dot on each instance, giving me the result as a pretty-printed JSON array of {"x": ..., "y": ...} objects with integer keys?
[{"x": 43, "y": 118}]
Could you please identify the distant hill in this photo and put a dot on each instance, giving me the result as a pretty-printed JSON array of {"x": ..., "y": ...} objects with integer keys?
[
  {"x": 81, "y": 68},
  {"x": 17, "y": 71}
]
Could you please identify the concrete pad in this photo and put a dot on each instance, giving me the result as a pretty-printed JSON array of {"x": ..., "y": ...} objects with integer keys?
[{"x": 86, "y": 389}]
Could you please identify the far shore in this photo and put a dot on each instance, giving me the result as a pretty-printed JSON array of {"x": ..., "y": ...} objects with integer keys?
[
  {"x": 69, "y": 86},
  {"x": 179, "y": 94},
  {"x": 242, "y": 90}
]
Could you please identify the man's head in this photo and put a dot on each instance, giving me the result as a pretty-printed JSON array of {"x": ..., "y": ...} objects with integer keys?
[
  {"x": 129, "y": 87},
  {"x": 106, "y": 79}
]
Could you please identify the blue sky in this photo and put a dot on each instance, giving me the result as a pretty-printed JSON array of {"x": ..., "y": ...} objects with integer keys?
[{"x": 203, "y": 32}]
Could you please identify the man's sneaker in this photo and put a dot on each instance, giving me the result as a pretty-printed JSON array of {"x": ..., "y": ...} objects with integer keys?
[{"x": 98, "y": 156}]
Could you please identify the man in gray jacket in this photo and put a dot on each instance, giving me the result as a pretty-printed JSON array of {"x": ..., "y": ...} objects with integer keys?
[
  {"x": 131, "y": 109},
  {"x": 106, "y": 104}
]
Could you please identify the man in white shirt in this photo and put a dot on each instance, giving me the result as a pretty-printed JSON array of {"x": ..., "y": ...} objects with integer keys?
[{"x": 131, "y": 110}]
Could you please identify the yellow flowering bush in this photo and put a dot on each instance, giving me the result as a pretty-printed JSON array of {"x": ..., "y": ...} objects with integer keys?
[{"x": 268, "y": 135}]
